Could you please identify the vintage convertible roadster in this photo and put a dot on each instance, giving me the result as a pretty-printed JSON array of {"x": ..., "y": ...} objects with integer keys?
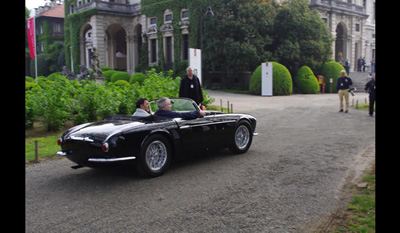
[{"x": 153, "y": 141}]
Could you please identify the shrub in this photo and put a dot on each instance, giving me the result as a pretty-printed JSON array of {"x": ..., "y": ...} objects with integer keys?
[
  {"x": 55, "y": 76},
  {"x": 137, "y": 78},
  {"x": 94, "y": 101},
  {"x": 30, "y": 85},
  {"x": 331, "y": 70},
  {"x": 29, "y": 79},
  {"x": 107, "y": 74},
  {"x": 53, "y": 103},
  {"x": 158, "y": 85},
  {"x": 105, "y": 68},
  {"x": 120, "y": 75},
  {"x": 282, "y": 80},
  {"x": 306, "y": 81},
  {"x": 121, "y": 83}
]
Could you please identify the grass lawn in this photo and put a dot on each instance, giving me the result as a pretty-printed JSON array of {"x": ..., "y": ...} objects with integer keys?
[
  {"x": 47, "y": 141},
  {"x": 361, "y": 211},
  {"x": 365, "y": 107},
  {"x": 47, "y": 146}
]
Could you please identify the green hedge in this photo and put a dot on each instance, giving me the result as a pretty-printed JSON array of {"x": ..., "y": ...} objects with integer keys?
[
  {"x": 331, "y": 70},
  {"x": 108, "y": 73},
  {"x": 120, "y": 75},
  {"x": 137, "y": 78},
  {"x": 306, "y": 81},
  {"x": 121, "y": 83},
  {"x": 282, "y": 80},
  {"x": 55, "y": 102}
]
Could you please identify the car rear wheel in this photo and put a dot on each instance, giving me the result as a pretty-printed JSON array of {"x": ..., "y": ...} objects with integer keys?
[
  {"x": 155, "y": 156},
  {"x": 243, "y": 137}
]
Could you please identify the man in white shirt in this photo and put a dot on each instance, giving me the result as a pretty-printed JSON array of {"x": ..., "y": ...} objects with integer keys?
[{"x": 142, "y": 108}]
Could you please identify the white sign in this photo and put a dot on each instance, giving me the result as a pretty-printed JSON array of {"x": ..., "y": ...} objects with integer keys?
[
  {"x": 195, "y": 62},
  {"x": 266, "y": 79}
]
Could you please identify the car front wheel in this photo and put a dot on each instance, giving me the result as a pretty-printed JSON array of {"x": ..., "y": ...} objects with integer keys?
[{"x": 243, "y": 137}]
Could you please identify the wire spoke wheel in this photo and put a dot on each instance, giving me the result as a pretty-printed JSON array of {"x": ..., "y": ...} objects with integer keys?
[
  {"x": 156, "y": 155},
  {"x": 242, "y": 137}
]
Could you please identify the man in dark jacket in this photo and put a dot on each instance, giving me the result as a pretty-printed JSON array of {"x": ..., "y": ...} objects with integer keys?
[
  {"x": 343, "y": 85},
  {"x": 190, "y": 87},
  {"x": 370, "y": 88},
  {"x": 164, "y": 109}
]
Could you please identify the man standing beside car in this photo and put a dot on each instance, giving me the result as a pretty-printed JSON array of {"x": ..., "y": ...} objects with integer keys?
[
  {"x": 343, "y": 85},
  {"x": 191, "y": 88}
]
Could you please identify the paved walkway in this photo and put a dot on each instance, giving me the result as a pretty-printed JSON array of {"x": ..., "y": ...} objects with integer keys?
[{"x": 243, "y": 103}]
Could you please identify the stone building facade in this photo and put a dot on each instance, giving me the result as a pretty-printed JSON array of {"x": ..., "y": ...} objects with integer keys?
[
  {"x": 119, "y": 30},
  {"x": 352, "y": 24}
]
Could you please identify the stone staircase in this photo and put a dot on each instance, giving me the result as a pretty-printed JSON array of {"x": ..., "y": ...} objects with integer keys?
[{"x": 359, "y": 80}]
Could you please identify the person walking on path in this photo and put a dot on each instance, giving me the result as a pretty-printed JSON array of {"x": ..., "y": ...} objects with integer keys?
[
  {"x": 370, "y": 88},
  {"x": 342, "y": 87},
  {"x": 191, "y": 88},
  {"x": 347, "y": 66}
]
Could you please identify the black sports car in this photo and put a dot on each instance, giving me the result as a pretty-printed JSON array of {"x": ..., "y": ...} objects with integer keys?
[{"x": 154, "y": 140}]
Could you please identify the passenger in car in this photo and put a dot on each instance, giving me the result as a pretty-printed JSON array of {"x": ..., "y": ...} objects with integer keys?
[
  {"x": 142, "y": 108},
  {"x": 164, "y": 109}
]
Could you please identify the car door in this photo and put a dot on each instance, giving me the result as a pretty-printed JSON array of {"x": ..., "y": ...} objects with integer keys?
[
  {"x": 224, "y": 127},
  {"x": 196, "y": 134}
]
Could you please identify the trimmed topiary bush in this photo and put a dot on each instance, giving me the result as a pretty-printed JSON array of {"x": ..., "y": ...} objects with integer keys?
[
  {"x": 120, "y": 75},
  {"x": 105, "y": 68},
  {"x": 282, "y": 80},
  {"x": 331, "y": 70},
  {"x": 121, "y": 83},
  {"x": 306, "y": 81},
  {"x": 137, "y": 78},
  {"x": 107, "y": 74}
]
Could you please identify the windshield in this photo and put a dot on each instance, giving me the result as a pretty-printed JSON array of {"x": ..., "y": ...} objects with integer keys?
[{"x": 178, "y": 105}]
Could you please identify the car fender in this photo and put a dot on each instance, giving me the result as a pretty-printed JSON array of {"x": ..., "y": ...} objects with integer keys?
[{"x": 172, "y": 136}]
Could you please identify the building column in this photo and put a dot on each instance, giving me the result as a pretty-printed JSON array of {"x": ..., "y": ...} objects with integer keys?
[
  {"x": 130, "y": 56},
  {"x": 98, "y": 37}
]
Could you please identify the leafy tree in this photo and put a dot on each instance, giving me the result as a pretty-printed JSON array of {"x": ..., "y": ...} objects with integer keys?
[
  {"x": 301, "y": 36},
  {"x": 239, "y": 35}
]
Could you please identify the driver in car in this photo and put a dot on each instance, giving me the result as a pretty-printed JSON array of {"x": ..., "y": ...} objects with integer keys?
[{"x": 164, "y": 109}]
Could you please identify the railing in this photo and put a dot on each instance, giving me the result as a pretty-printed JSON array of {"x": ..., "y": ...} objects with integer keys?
[{"x": 130, "y": 9}]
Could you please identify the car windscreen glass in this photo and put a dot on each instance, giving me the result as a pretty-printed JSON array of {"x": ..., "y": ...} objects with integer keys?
[
  {"x": 177, "y": 105},
  {"x": 182, "y": 105}
]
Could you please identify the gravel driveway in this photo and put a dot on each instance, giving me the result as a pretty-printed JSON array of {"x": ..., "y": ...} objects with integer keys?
[{"x": 289, "y": 181}]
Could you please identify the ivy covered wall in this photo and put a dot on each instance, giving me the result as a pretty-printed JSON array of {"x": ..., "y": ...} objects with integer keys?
[
  {"x": 156, "y": 8},
  {"x": 72, "y": 26},
  {"x": 150, "y": 8}
]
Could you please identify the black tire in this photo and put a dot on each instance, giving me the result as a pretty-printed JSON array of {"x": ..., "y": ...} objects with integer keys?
[
  {"x": 155, "y": 156},
  {"x": 242, "y": 138}
]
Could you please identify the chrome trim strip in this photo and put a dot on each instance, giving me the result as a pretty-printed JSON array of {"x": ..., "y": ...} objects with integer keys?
[
  {"x": 85, "y": 139},
  {"x": 105, "y": 160},
  {"x": 209, "y": 123},
  {"x": 61, "y": 153}
]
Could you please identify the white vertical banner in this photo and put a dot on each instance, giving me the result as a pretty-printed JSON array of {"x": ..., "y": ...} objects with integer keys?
[
  {"x": 195, "y": 62},
  {"x": 266, "y": 79}
]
